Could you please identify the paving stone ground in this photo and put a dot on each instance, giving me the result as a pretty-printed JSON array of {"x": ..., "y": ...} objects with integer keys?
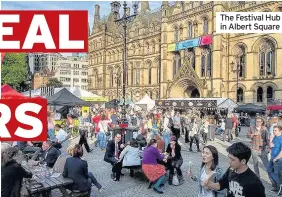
[{"x": 129, "y": 187}]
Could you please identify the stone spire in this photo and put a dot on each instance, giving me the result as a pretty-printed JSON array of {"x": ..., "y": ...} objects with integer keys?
[
  {"x": 145, "y": 6},
  {"x": 89, "y": 32},
  {"x": 96, "y": 17}
]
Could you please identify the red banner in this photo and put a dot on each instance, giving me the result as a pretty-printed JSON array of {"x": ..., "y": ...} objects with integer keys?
[
  {"x": 44, "y": 31},
  {"x": 206, "y": 40}
]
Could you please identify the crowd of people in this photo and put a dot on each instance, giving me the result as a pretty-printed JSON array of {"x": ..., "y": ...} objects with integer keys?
[{"x": 156, "y": 151}]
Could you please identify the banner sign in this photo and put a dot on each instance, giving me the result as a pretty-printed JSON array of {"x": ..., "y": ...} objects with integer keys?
[
  {"x": 187, "y": 103},
  {"x": 59, "y": 31},
  {"x": 206, "y": 40},
  {"x": 187, "y": 44},
  {"x": 171, "y": 47}
]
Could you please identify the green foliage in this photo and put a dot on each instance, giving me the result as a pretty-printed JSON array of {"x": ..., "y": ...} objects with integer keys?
[
  {"x": 14, "y": 69},
  {"x": 54, "y": 82}
]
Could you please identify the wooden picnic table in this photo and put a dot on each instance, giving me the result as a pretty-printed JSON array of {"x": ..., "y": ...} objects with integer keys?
[{"x": 35, "y": 187}]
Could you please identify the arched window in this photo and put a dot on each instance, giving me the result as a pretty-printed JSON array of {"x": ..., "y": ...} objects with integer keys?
[
  {"x": 240, "y": 95},
  {"x": 266, "y": 58},
  {"x": 269, "y": 63},
  {"x": 176, "y": 63},
  {"x": 137, "y": 76},
  {"x": 175, "y": 34},
  {"x": 180, "y": 33},
  {"x": 148, "y": 48},
  {"x": 242, "y": 65},
  {"x": 205, "y": 26},
  {"x": 206, "y": 69},
  {"x": 259, "y": 94},
  {"x": 209, "y": 69},
  {"x": 112, "y": 78},
  {"x": 203, "y": 67},
  {"x": 269, "y": 92},
  {"x": 150, "y": 75},
  {"x": 262, "y": 63},
  {"x": 132, "y": 76},
  {"x": 153, "y": 47},
  {"x": 190, "y": 30}
]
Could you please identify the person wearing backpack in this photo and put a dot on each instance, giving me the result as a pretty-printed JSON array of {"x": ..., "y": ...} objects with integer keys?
[{"x": 209, "y": 169}]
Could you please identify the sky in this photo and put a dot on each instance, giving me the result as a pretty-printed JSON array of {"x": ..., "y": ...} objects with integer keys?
[{"x": 105, "y": 7}]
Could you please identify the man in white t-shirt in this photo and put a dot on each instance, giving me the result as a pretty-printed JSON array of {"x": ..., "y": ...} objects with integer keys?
[{"x": 61, "y": 135}]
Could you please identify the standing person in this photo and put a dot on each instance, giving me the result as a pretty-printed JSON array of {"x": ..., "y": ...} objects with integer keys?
[
  {"x": 12, "y": 173},
  {"x": 259, "y": 141},
  {"x": 239, "y": 179},
  {"x": 228, "y": 128},
  {"x": 83, "y": 140},
  {"x": 96, "y": 119},
  {"x": 274, "y": 167},
  {"x": 103, "y": 132},
  {"x": 51, "y": 128},
  {"x": 208, "y": 168},
  {"x": 205, "y": 131},
  {"x": 167, "y": 126},
  {"x": 186, "y": 128},
  {"x": 176, "y": 125},
  {"x": 194, "y": 135}
]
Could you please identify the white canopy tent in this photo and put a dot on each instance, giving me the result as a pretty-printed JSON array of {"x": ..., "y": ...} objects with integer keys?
[
  {"x": 78, "y": 92},
  {"x": 146, "y": 100}
]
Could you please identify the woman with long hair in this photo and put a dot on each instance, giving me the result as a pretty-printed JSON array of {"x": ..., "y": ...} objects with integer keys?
[
  {"x": 174, "y": 160},
  {"x": 209, "y": 170},
  {"x": 154, "y": 171},
  {"x": 103, "y": 126},
  {"x": 12, "y": 173}
]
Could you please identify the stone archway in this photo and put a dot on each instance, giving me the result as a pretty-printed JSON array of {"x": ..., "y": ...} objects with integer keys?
[{"x": 186, "y": 88}]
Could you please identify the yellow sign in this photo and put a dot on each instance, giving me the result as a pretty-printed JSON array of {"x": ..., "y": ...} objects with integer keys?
[
  {"x": 171, "y": 47},
  {"x": 85, "y": 109},
  {"x": 92, "y": 99}
]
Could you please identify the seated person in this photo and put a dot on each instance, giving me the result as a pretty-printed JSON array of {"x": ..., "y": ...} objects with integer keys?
[
  {"x": 12, "y": 173},
  {"x": 141, "y": 139},
  {"x": 28, "y": 147},
  {"x": 129, "y": 157},
  {"x": 77, "y": 170},
  {"x": 174, "y": 159},
  {"x": 61, "y": 135},
  {"x": 50, "y": 153}
]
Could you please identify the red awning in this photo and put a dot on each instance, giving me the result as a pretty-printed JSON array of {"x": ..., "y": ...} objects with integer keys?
[
  {"x": 274, "y": 107},
  {"x": 8, "y": 93}
]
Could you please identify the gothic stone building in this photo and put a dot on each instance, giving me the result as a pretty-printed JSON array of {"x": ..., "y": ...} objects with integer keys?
[{"x": 174, "y": 52}]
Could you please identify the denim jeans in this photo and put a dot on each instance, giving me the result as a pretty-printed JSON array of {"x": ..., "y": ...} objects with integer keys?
[
  {"x": 166, "y": 138},
  {"x": 51, "y": 134},
  {"x": 274, "y": 170},
  {"x": 94, "y": 180},
  {"x": 102, "y": 140},
  {"x": 263, "y": 156},
  {"x": 153, "y": 133}
]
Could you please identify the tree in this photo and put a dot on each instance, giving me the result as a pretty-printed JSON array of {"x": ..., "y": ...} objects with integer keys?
[
  {"x": 15, "y": 70},
  {"x": 54, "y": 82}
]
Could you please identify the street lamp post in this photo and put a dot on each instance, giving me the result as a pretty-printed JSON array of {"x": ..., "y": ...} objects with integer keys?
[
  {"x": 117, "y": 82},
  {"x": 237, "y": 70},
  {"x": 123, "y": 21}
]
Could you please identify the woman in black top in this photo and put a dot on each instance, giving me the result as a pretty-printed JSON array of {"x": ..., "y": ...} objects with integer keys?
[
  {"x": 174, "y": 159},
  {"x": 12, "y": 173}
]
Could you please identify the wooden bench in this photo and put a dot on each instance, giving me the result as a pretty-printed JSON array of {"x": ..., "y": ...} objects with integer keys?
[{"x": 76, "y": 193}]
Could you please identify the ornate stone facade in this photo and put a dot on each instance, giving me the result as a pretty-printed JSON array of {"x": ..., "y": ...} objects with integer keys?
[{"x": 205, "y": 71}]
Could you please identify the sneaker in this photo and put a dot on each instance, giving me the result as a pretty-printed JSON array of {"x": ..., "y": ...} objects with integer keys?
[
  {"x": 101, "y": 189},
  {"x": 279, "y": 190}
]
